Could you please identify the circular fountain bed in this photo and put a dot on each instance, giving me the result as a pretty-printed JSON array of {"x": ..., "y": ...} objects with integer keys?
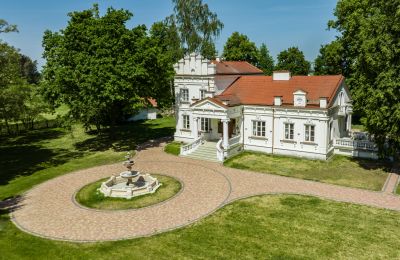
[
  {"x": 91, "y": 197},
  {"x": 130, "y": 189}
]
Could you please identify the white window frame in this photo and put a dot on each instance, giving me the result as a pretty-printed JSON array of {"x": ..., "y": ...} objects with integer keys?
[
  {"x": 202, "y": 93},
  {"x": 259, "y": 128},
  {"x": 205, "y": 124},
  {"x": 309, "y": 133},
  {"x": 184, "y": 94},
  {"x": 289, "y": 131},
  {"x": 186, "y": 122}
]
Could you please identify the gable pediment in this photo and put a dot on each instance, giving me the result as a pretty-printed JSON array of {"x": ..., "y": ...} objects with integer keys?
[{"x": 208, "y": 104}]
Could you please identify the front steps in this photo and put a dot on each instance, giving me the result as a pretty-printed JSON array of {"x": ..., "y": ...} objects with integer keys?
[{"x": 205, "y": 152}]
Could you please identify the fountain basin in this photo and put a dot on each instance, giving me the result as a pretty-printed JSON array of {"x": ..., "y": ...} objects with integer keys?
[{"x": 140, "y": 184}]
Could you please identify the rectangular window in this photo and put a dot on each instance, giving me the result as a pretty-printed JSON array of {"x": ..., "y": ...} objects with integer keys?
[
  {"x": 310, "y": 133},
  {"x": 289, "y": 131},
  {"x": 258, "y": 128},
  {"x": 205, "y": 124},
  {"x": 186, "y": 122},
  {"x": 202, "y": 93},
  {"x": 184, "y": 94}
]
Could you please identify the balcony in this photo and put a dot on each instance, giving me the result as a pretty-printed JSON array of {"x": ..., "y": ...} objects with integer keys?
[{"x": 355, "y": 144}]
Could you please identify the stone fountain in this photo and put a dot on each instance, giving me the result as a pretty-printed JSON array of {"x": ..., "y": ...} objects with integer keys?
[{"x": 129, "y": 183}]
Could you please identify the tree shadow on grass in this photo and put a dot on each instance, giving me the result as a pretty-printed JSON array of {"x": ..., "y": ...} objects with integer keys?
[
  {"x": 126, "y": 137},
  {"x": 22, "y": 156},
  {"x": 371, "y": 164}
]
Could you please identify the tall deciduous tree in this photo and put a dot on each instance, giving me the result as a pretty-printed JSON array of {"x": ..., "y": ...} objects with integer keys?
[
  {"x": 293, "y": 60},
  {"x": 265, "y": 60},
  {"x": 370, "y": 38},
  {"x": 330, "y": 60},
  {"x": 238, "y": 47},
  {"x": 19, "y": 100},
  {"x": 101, "y": 69},
  {"x": 198, "y": 26},
  {"x": 165, "y": 33}
]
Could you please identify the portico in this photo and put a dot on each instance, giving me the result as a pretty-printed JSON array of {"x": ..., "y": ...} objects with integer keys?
[{"x": 211, "y": 121}]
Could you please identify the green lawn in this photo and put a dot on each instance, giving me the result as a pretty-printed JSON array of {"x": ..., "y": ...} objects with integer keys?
[
  {"x": 366, "y": 174},
  {"x": 279, "y": 227},
  {"x": 358, "y": 127},
  {"x": 264, "y": 227},
  {"x": 173, "y": 148},
  {"x": 40, "y": 155},
  {"x": 398, "y": 189},
  {"x": 89, "y": 195}
]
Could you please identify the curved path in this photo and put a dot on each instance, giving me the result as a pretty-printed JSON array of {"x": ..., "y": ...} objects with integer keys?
[{"x": 49, "y": 210}]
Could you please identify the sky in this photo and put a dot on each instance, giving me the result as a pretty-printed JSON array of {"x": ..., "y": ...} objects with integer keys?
[{"x": 279, "y": 24}]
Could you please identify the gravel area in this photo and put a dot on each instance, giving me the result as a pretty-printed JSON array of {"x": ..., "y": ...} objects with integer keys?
[{"x": 48, "y": 209}]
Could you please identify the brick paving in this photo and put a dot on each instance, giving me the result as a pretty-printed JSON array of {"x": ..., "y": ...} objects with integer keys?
[
  {"x": 391, "y": 183},
  {"x": 48, "y": 210}
]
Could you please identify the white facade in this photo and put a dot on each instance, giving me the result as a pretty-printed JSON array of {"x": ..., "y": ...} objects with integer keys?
[{"x": 297, "y": 130}]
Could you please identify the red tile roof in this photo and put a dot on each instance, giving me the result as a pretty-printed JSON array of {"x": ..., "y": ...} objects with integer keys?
[
  {"x": 152, "y": 101},
  {"x": 261, "y": 90},
  {"x": 236, "y": 68}
]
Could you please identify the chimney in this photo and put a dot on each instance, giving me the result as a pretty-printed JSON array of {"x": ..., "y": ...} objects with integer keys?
[
  {"x": 323, "y": 102},
  {"x": 281, "y": 75},
  {"x": 277, "y": 101}
]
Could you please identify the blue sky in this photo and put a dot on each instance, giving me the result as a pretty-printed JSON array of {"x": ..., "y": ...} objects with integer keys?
[{"x": 278, "y": 23}]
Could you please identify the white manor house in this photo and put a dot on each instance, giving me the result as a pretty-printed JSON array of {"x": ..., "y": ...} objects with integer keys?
[{"x": 224, "y": 107}]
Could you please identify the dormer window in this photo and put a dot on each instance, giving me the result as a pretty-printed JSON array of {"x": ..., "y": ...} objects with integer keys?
[{"x": 299, "y": 98}]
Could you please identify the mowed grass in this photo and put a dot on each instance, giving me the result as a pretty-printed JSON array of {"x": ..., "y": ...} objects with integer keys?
[
  {"x": 40, "y": 155},
  {"x": 91, "y": 197},
  {"x": 173, "y": 148},
  {"x": 398, "y": 188},
  {"x": 340, "y": 170},
  {"x": 263, "y": 227}
]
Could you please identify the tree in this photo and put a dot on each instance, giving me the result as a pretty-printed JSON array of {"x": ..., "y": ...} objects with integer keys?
[
  {"x": 19, "y": 100},
  {"x": 293, "y": 60},
  {"x": 102, "y": 70},
  {"x": 265, "y": 60},
  {"x": 370, "y": 38},
  {"x": 165, "y": 33},
  {"x": 198, "y": 27},
  {"x": 9, "y": 65},
  {"x": 5, "y": 27},
  {"x": 330, "y": 60},
  {"x": 29, "y": 70},
  {"x": 238, "y": 47}
]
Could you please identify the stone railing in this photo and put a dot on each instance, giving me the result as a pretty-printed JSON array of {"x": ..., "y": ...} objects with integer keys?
[
  {"x": 220, "y": 151},
  {"x": 355, "y": 144},
  {"x": 189, "y": 148},
  {"x": 234, "y": 140}
]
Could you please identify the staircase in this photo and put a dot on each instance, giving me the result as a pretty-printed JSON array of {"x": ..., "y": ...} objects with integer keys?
[{"x": 205, "y": 152}]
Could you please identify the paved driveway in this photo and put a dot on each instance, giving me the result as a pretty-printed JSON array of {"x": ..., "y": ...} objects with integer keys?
[{"x": 49, "y": 210}]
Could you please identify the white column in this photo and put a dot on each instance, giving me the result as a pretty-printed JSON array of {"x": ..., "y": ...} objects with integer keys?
[
  {"x": 195, "y": 128},
  {"x": 348, "y": 123},
  {"x": 226, "y": 134}
]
